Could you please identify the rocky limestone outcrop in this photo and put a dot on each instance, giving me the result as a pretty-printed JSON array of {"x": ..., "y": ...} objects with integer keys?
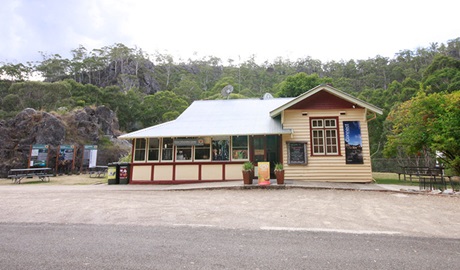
[{"x": 86, "y": 126}]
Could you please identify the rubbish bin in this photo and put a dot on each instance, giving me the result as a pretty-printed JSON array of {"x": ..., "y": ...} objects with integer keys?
[
  {"x": 123, "y": 173},
  {"x": 112, "y": 174}
]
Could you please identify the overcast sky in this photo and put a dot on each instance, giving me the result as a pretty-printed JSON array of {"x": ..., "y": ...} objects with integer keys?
[{"x": 236, "y": 29}]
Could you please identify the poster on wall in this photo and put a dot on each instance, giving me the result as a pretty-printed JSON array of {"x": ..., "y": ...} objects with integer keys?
[
  {"x": 38, "y": 156},
  {"x": 353, "y": 142}
]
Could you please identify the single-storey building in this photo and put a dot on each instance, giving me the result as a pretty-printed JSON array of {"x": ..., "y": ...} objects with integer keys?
[{"x": 321, "y": 135}]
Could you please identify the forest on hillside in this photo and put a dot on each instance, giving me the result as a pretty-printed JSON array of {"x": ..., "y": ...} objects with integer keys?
[{"x": 147, "y": 89}]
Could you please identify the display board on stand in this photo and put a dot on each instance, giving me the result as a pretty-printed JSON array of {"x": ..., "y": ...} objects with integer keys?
[
  {"x": 89, "y": 158},
  {"x": 38, "y": 157}
]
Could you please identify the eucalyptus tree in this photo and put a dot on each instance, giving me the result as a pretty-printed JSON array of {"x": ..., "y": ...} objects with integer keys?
[
  {"x": 53, "y": 67},
  {"x": 159, "y": 107},
  {"x": 42, "y": 95},
  {"x": 443, "y": 74},
  {"x": 16, "y": 72},
  {"x": 299, "y": 83},
  {"x": 77, "y": 64}
]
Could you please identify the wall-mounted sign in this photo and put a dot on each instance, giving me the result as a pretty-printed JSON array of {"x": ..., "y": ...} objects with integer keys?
[
  {"x": 189, "y": 142},
  {"x": 353, "y": 142},
  {"x": 38, "y": 155},
  {"x": 297, "y": 153}
]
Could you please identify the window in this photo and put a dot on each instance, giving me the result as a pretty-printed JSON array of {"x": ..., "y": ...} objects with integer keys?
[
  {"x": 240, "y": 147},
  {"x": 324, "y": 136},
  {"x": 154, "y": 149},
  {"x": 139, "y": 150},
  {"x": 183, "y": 153},
  {"x": 167, "y": 151},
  {"x": 203, "y": 152},
  {"x": 220, "y": 148}
]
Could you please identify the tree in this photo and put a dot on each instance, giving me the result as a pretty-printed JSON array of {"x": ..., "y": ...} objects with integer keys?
[
  {"x": 188, "y": 89},
  {"x": 42, "y": 95},
  {"x": 160, "y": 106},
  {"x": 16, "y": 72},
  {"x": 425, "y": 125},
  {"x": 77, "y": 65},
  {"x": 299, "y": 83},
  {"x": 443, "y": 74},
  {"x": 53, "y": 67}
]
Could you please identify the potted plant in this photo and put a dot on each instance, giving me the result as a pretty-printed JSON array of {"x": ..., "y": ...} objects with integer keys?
[
  {"x": 279, "y": 173},
  {"x": 248, "y": 172}
]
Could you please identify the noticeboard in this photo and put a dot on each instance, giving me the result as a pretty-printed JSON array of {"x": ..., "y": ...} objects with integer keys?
[
  {"x": 297, "y": 153},
  {"x": 65, "y": 159},
  {"x": 66, "y": 152},
  {"x": 38, "y": 155},
  {"x": 89, "y": 156}
]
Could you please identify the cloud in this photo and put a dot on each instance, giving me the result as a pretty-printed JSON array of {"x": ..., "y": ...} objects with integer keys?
[{"x": 325, "y": 30}]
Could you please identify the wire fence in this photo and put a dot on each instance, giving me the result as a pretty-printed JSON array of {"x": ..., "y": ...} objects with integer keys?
[{"x": 394, "y": 165}]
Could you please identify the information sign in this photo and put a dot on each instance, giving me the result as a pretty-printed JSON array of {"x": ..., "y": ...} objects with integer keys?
[{"x": 297, "y": 153}]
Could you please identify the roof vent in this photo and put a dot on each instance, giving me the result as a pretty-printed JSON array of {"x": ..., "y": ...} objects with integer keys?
[{"x": 267, "y": 96}]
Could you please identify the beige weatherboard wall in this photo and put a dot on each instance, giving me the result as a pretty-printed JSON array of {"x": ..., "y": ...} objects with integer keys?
[
  {"x": 326, "y": 168},
  {"x": 325, "y": 102}
]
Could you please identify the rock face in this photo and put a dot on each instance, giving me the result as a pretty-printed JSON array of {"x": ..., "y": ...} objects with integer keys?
[{"x": 86, "y": 126}]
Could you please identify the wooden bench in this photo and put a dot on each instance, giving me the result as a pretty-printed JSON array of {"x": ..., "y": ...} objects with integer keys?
[
  {"x": 427, "y": 177},
  {"x": 16, "y": 175}
]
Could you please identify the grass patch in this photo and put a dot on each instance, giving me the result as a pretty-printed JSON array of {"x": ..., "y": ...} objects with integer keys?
[
  {"x": 81, "y": 179},
  {"x": 391, "y": 179}
]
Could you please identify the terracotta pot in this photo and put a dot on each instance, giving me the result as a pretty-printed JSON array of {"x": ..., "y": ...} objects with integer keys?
[
  {"x": 247, "y": 177},
  {"x": 279, "y": 177}
]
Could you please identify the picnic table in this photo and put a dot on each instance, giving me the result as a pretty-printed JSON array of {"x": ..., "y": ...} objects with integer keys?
[
  {"x": 98, "y": 171},
  {"x": 17, "y": 175},
  {"x": 428, "y": 177}
]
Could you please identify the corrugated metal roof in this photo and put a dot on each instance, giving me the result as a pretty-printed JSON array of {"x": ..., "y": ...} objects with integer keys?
[{"x": 219, "y": 118}]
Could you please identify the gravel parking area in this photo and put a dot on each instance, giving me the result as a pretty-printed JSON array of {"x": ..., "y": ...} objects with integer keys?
[{"x": 285, "y": 209}]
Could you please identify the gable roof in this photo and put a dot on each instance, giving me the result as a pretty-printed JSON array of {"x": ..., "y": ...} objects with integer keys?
[
  {"x": 220, "y": 118},
  {"x": 330, "y": 90}
]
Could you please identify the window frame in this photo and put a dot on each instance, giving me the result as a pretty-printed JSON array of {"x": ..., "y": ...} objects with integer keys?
[
  {"x": 136, "y": 150},
  {"x": 218, "y": 154},
  {"x": 202, "y": 148},
  {"x": 149, "y": 149},
  {"x": 187, "y": 157},
  {"x": 244, "y": 148},
  {"x": 320, "y": 129},
  {"x": 165, "y": 142}
]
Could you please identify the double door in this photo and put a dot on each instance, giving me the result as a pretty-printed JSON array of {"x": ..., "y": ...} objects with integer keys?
[{"x": 266, "y": 148}]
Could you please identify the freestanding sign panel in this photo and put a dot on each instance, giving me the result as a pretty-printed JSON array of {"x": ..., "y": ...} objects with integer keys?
[
  {"x": 263, "y": 170},
  {"x": 89, "y": 156},
  {"x": 353, "y": 142},
  {"x": 38, "y": 156},
  {"x": 65, "y": 158}
]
